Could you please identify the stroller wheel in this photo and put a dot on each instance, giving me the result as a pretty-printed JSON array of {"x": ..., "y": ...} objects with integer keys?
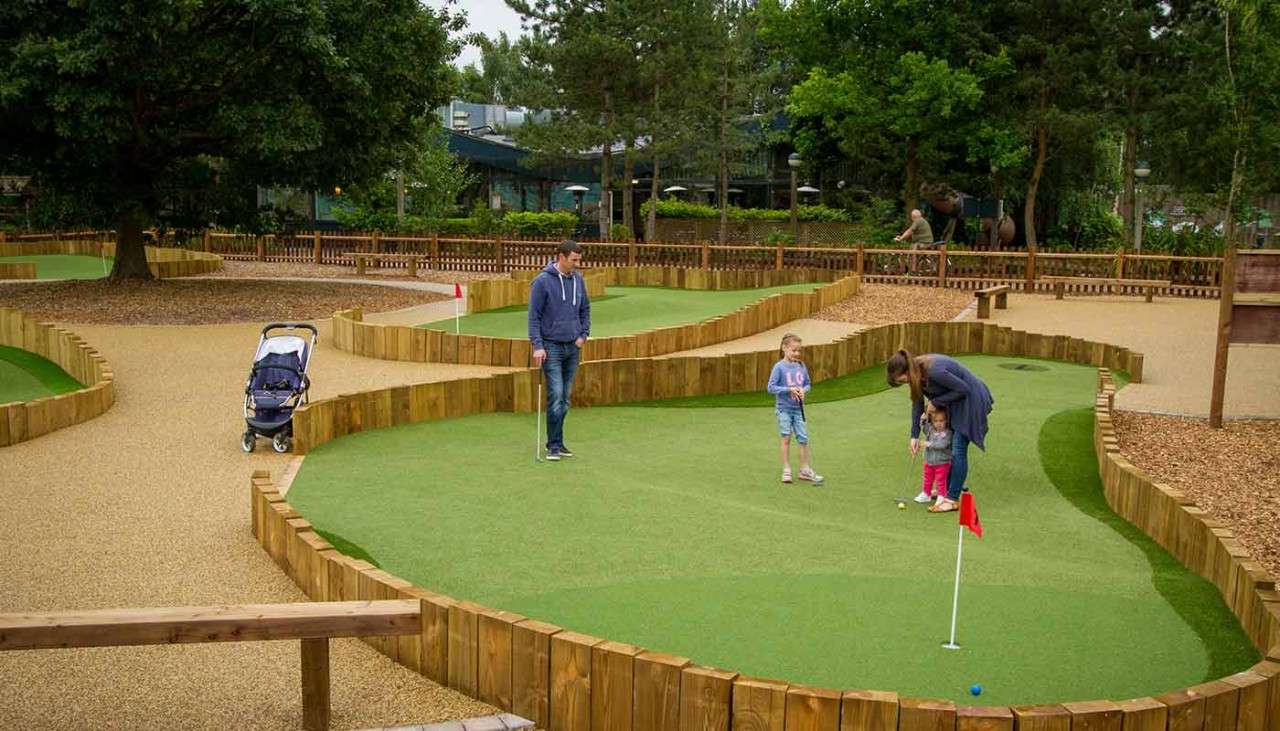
[
  {"x": 248, "y": 441},
  {"x": 280, "y": 443}
]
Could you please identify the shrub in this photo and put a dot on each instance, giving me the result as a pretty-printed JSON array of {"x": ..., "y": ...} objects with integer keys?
[
  {"x": 621, "y": 232},
  {"x": 547, "y": 224},
  {"x": 675, "y": 208}
]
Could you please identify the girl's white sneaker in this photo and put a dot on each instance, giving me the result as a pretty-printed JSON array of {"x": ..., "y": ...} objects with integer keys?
[{"x": 923, "y": 498}]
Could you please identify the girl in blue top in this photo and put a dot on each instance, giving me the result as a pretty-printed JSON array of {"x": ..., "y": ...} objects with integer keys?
[
  {"x": 789, "y": 383},
  {"x": 966, "y": 398}
]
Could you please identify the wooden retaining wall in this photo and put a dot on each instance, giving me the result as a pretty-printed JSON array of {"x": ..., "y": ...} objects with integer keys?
[
  {"x": 23, "y": 420},
  {"x": 566, "y": 680},
  {"x": 492, "y": 294},
  {"x": 403, "y": 342},
  {"x": 17, "y": 270},
  {"x": 164, "y": 262}
]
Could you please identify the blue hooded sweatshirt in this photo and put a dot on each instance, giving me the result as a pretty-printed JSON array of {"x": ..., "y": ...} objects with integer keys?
[{"x": 559, "y": 310}]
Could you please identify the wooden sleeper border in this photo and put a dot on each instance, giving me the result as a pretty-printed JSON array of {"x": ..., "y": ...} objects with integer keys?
[
  {"x": 24, "y": 420},
  {"x": 421, "y": 345}
]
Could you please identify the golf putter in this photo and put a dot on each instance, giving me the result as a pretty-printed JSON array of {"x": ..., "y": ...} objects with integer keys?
[{"x": 537, "y": 425}]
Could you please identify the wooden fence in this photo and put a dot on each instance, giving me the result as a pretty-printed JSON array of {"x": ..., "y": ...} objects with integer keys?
[
  {"x": 566, "y": 680},
  {"x": 403, "y": 342},
  {"x": 23, "y": 420},
  {"x": 960, "y": 268},
  {"x": 164, "y": 262}
]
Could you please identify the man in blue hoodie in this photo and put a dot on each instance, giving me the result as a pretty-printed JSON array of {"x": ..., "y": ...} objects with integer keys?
[{"x": 559, "y": 323}]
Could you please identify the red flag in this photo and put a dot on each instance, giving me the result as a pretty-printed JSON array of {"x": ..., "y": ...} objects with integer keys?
[
  {"x": 969, "y": 513},
  {"x": 457, "y": 291}
]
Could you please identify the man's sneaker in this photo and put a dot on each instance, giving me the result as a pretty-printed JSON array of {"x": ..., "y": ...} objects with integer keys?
[
  {"x": 786, "y": 476},
  {"x": 564, "y": 452},
  {"x": 811, "y": 476},
  {"x": 553, "y": 455},
  {"x": 923, "y": 498}
]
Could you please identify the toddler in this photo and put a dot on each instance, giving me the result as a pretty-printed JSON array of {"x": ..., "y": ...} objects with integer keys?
[{"x": 937, "y": 455}]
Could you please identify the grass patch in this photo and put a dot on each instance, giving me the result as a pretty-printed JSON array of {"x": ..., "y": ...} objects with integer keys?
[
  {"x": 670, "y": 530},
  {"x": 25, "y": 376},
  {"x": 66, "y": 266},
  {"x": 626, "y": 310}
]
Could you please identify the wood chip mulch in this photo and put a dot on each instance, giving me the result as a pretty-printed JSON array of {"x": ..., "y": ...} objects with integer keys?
[
  {"x": 201, "y": 302},
  {"x": 1233, "y": 472},
  {"x": 258, "y": 269},
  {"x": 881, "y": 304}
]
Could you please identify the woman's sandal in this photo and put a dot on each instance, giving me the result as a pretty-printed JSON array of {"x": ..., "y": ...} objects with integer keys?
[{"x": 944, "y": 506}]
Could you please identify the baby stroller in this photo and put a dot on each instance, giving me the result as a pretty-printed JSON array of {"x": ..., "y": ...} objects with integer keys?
[{"x": 277, "y": 385}]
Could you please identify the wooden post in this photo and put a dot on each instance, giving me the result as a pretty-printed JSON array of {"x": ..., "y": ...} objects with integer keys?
[
  {"x": 434, "y": 252},
  {"x": 315, "y": 245},
  {"x": 262, "y": 247},
  {"x": 631, "y": 253},
  {"x": 377, "y": 248},
  {"x": 315, "y": 684},
  {"x": 1224, "y": 335},
  {"x": 1120, "y": 264},
  {"x": 206, "y": 239},
  {"x": 498, "y": 258},
  {"x": 860, "y": 261},
  {"x": 706, "y": 255},
  {"x": 1031, "y": 269},
  {"x": 942, "y": 266},
  {"x": 777, "y": 258}
]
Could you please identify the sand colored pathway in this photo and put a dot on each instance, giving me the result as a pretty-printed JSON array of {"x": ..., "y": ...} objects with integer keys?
[
  {"x": 1176, "y": 336},
  {"x": 148, "y": 506}
]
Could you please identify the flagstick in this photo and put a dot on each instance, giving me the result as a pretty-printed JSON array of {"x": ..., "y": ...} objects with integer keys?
[{"x": 955, "y": 598}]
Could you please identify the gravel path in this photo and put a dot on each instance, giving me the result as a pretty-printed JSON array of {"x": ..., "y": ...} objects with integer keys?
[
  {"x": 1176, "y": 336},
  {"x": 1233, "y": 472},
  {"x": 147, "y": 505}
]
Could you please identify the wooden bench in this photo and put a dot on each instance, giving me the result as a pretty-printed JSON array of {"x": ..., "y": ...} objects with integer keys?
[
  {"x": 999, "y": 292},
  {"x": 1148, "y": 285},
  {"x": 362, "y": 259}
]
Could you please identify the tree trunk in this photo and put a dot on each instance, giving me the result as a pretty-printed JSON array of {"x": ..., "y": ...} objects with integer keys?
[
  {"x": 1128, "y": 197},
  {"x": 131, "y": 253},
  {"x": 628, "y": 192},
  {"x": 723, "y": 194},
  {"x": 911, "y": 188},
  {"x": 651, "y": 222},
  {"x": 998, "y": 195},
  {"x": 1033, "y": 185},
  {"x": 606, "y": 170}
]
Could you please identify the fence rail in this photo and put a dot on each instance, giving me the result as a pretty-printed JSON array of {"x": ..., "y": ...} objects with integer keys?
[
  {"x": 959, "y": 268},
  {"x": 1191, "y": 276}
]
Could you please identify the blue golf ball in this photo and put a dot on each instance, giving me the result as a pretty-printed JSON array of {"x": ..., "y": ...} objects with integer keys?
[{"x": 975, "y": 689}]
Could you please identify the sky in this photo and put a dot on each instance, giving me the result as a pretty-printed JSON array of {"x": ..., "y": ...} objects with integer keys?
[{"x": 483, "y": 16}]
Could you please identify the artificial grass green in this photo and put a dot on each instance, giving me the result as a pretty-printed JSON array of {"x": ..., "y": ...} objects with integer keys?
[
  {"x": 1066, "y": 451},
  {"x": 626, "y": 310},
  {"x": 670, "y": 530},
  {"x": 65, "y": 266},
  {"x": 347, "y": 547},
  {"x": 25, "y": 376}
]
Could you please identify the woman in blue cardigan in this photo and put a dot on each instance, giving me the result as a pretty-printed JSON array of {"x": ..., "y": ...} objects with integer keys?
[{"x": 967, "y": 399}]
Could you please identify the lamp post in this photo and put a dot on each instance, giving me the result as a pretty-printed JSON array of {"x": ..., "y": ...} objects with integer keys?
[
  {"x": 578, "y": 191},
  {"x": 794, "y": 161},
  {"x": 1140, "y": 172}
]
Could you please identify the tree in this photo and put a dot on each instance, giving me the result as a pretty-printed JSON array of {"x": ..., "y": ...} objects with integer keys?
[
  {"x": 108, "y": 101},
  {"x": 503, "y": 74}
]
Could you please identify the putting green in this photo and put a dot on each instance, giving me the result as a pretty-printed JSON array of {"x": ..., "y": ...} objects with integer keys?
[
  {"x": 671, "y": 531},
  {"x": 626, "y": 310},
  {"x": 66, "y": 266},
  {"x": 25, "y": 376}
]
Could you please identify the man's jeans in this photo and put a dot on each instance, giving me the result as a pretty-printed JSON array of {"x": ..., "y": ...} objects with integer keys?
[{"x": 559, "y": 368}]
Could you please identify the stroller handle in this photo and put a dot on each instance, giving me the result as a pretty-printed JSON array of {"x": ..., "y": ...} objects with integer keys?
[{"x": 290, "y": 326}]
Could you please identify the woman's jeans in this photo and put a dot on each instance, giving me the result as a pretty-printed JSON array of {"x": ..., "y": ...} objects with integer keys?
[
  {"x": 559, "y": 368},
  {"x": 959, "y": 466}
]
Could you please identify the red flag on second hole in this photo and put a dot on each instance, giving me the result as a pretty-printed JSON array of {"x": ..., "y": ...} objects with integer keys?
[
  {"x": 969, "y": 513},
  {"x": 457, "y": 291}
]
